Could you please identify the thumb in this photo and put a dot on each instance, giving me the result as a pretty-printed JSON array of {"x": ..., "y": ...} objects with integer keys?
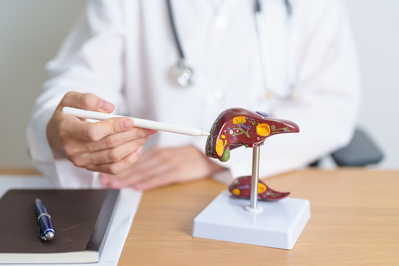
[{"x": 86, "y": 101}]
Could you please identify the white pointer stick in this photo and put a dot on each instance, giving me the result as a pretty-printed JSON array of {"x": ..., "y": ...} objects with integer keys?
[{"x": 137, "y": 122}]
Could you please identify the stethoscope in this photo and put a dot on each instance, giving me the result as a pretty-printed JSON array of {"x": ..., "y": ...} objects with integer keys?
[{"x": 184, "y": 73}]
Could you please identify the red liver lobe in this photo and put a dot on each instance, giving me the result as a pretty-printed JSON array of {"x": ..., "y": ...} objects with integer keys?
[
  {"x": 237, "y": 127},
  {"x": 241, "y": 188}
]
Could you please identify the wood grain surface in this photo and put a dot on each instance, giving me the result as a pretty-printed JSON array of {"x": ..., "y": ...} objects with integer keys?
[
  {"x": 19, "y": 171},
  {"x": 354, "y": 221}
]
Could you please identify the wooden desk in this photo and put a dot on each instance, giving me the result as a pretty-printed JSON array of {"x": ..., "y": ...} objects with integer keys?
[{"x": 355, "y": 221}]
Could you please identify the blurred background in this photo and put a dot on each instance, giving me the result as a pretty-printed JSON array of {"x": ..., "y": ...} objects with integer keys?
[{"x": 31, "y": 32}]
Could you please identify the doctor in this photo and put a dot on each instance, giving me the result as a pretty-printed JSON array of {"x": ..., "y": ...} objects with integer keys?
[{"x": 294, "y": 59}]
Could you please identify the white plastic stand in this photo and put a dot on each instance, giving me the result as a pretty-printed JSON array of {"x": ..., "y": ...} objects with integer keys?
[{"x": 278, "y": 225}]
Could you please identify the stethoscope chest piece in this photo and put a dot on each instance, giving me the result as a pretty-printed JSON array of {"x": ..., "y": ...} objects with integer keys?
[{"x": 183, "y": 73}]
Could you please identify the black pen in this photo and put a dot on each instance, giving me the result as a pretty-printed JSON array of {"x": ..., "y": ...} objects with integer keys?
[{"x": 46, "y": 228}]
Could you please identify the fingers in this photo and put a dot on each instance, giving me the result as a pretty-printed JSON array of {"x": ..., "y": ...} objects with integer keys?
[
  {"x": 109, "y": 146},
  {"x": 59, "y": 129},
  {"x": 161, "y": 167},
  {"x": 138, "y": 177},
  {"x": 109, "y": 155},
  {"x": 118, "y": 167},
  {"x": 115, "y": 140},
  {"x": 147, "y": 165},
  {"x": 116, "y": 131},
  {"x": 143, "y": 181},
  {"x": 157, "y": 163},
  {"x": 163, "y": 179},
  {"x": 86, "y": 131},
  {"x": 86, "y": 101},
  {"x": 77, "y": 147},
  {"x": 149, "y": 161}
]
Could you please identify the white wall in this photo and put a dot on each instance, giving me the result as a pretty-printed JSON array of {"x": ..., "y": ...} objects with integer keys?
[
  {"x": 31, "y": 32},
  {"x": 375, "y": 24}
]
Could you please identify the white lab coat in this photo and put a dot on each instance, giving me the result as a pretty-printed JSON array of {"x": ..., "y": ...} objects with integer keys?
[{"x": 124, "y": 51}]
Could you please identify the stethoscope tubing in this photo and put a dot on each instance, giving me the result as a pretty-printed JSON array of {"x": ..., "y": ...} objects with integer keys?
[
  {"x": 173, "y": 26},
  {"x": 263, "y": 48},
  {"x": 264, "y": 52}
]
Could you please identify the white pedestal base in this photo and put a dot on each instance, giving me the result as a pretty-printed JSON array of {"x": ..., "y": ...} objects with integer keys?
[{"x": 278, "y": 226}]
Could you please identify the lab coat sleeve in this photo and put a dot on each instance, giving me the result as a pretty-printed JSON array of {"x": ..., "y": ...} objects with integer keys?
[
  {"x": 329, "y": 87},
  {"x": 90, "y": 61}
]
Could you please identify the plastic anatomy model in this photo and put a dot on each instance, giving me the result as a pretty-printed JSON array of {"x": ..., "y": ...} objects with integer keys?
[
  {"x": 241, "y": 189},
  {"x": 237, "y": 127}
]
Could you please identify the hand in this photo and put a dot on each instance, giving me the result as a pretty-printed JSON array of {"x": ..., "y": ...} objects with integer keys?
[
  {"x": 162, "y": 166},
  {"x": 109, "y": 146}
]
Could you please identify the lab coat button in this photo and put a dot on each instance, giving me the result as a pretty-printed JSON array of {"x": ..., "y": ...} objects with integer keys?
[{"x": 221, "y": 21}]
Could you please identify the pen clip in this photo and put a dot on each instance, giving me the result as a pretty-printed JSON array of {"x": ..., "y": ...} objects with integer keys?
[{"x": 41, "y": 235}]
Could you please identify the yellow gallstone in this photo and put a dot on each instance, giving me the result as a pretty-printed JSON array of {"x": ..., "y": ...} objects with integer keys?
[
  {"x": 236, "y": 191},
  {"x": 239, "y": 120},
  {"x": 261, "y": 188},
  {"x": 219, "y": 147},
  {"x": 263, "y": 130}
]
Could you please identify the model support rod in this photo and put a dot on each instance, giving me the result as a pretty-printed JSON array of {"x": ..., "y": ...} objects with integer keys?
[
  {"x": 253, "y": 207},
  {"x": 255, "y": 177}
]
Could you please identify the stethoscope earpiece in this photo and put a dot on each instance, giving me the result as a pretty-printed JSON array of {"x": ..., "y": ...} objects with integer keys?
[{"x": 183, "y": 73}]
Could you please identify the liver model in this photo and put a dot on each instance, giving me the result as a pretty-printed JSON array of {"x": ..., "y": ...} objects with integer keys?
[{"x": 237, "y": 127}]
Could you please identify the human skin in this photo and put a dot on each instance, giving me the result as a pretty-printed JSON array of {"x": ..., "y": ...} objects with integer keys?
[
  {"x": 110, "y": 146},
  {"x": 113, "y": 148},
  {"x": 163, "y": 166}
]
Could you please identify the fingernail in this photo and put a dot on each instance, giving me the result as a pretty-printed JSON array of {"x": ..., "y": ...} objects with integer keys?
[
  {"x": 127, "y": 124},
  {"x": 150, "y": 132},
  {"x": 106, "y": 106},
  {"x": 139, "y": 151}
]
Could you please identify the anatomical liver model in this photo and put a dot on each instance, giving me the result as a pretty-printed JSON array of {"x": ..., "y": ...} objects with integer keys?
[
  {"x": 237, "y": 127},
  {"x": 241, "y": 188}
]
